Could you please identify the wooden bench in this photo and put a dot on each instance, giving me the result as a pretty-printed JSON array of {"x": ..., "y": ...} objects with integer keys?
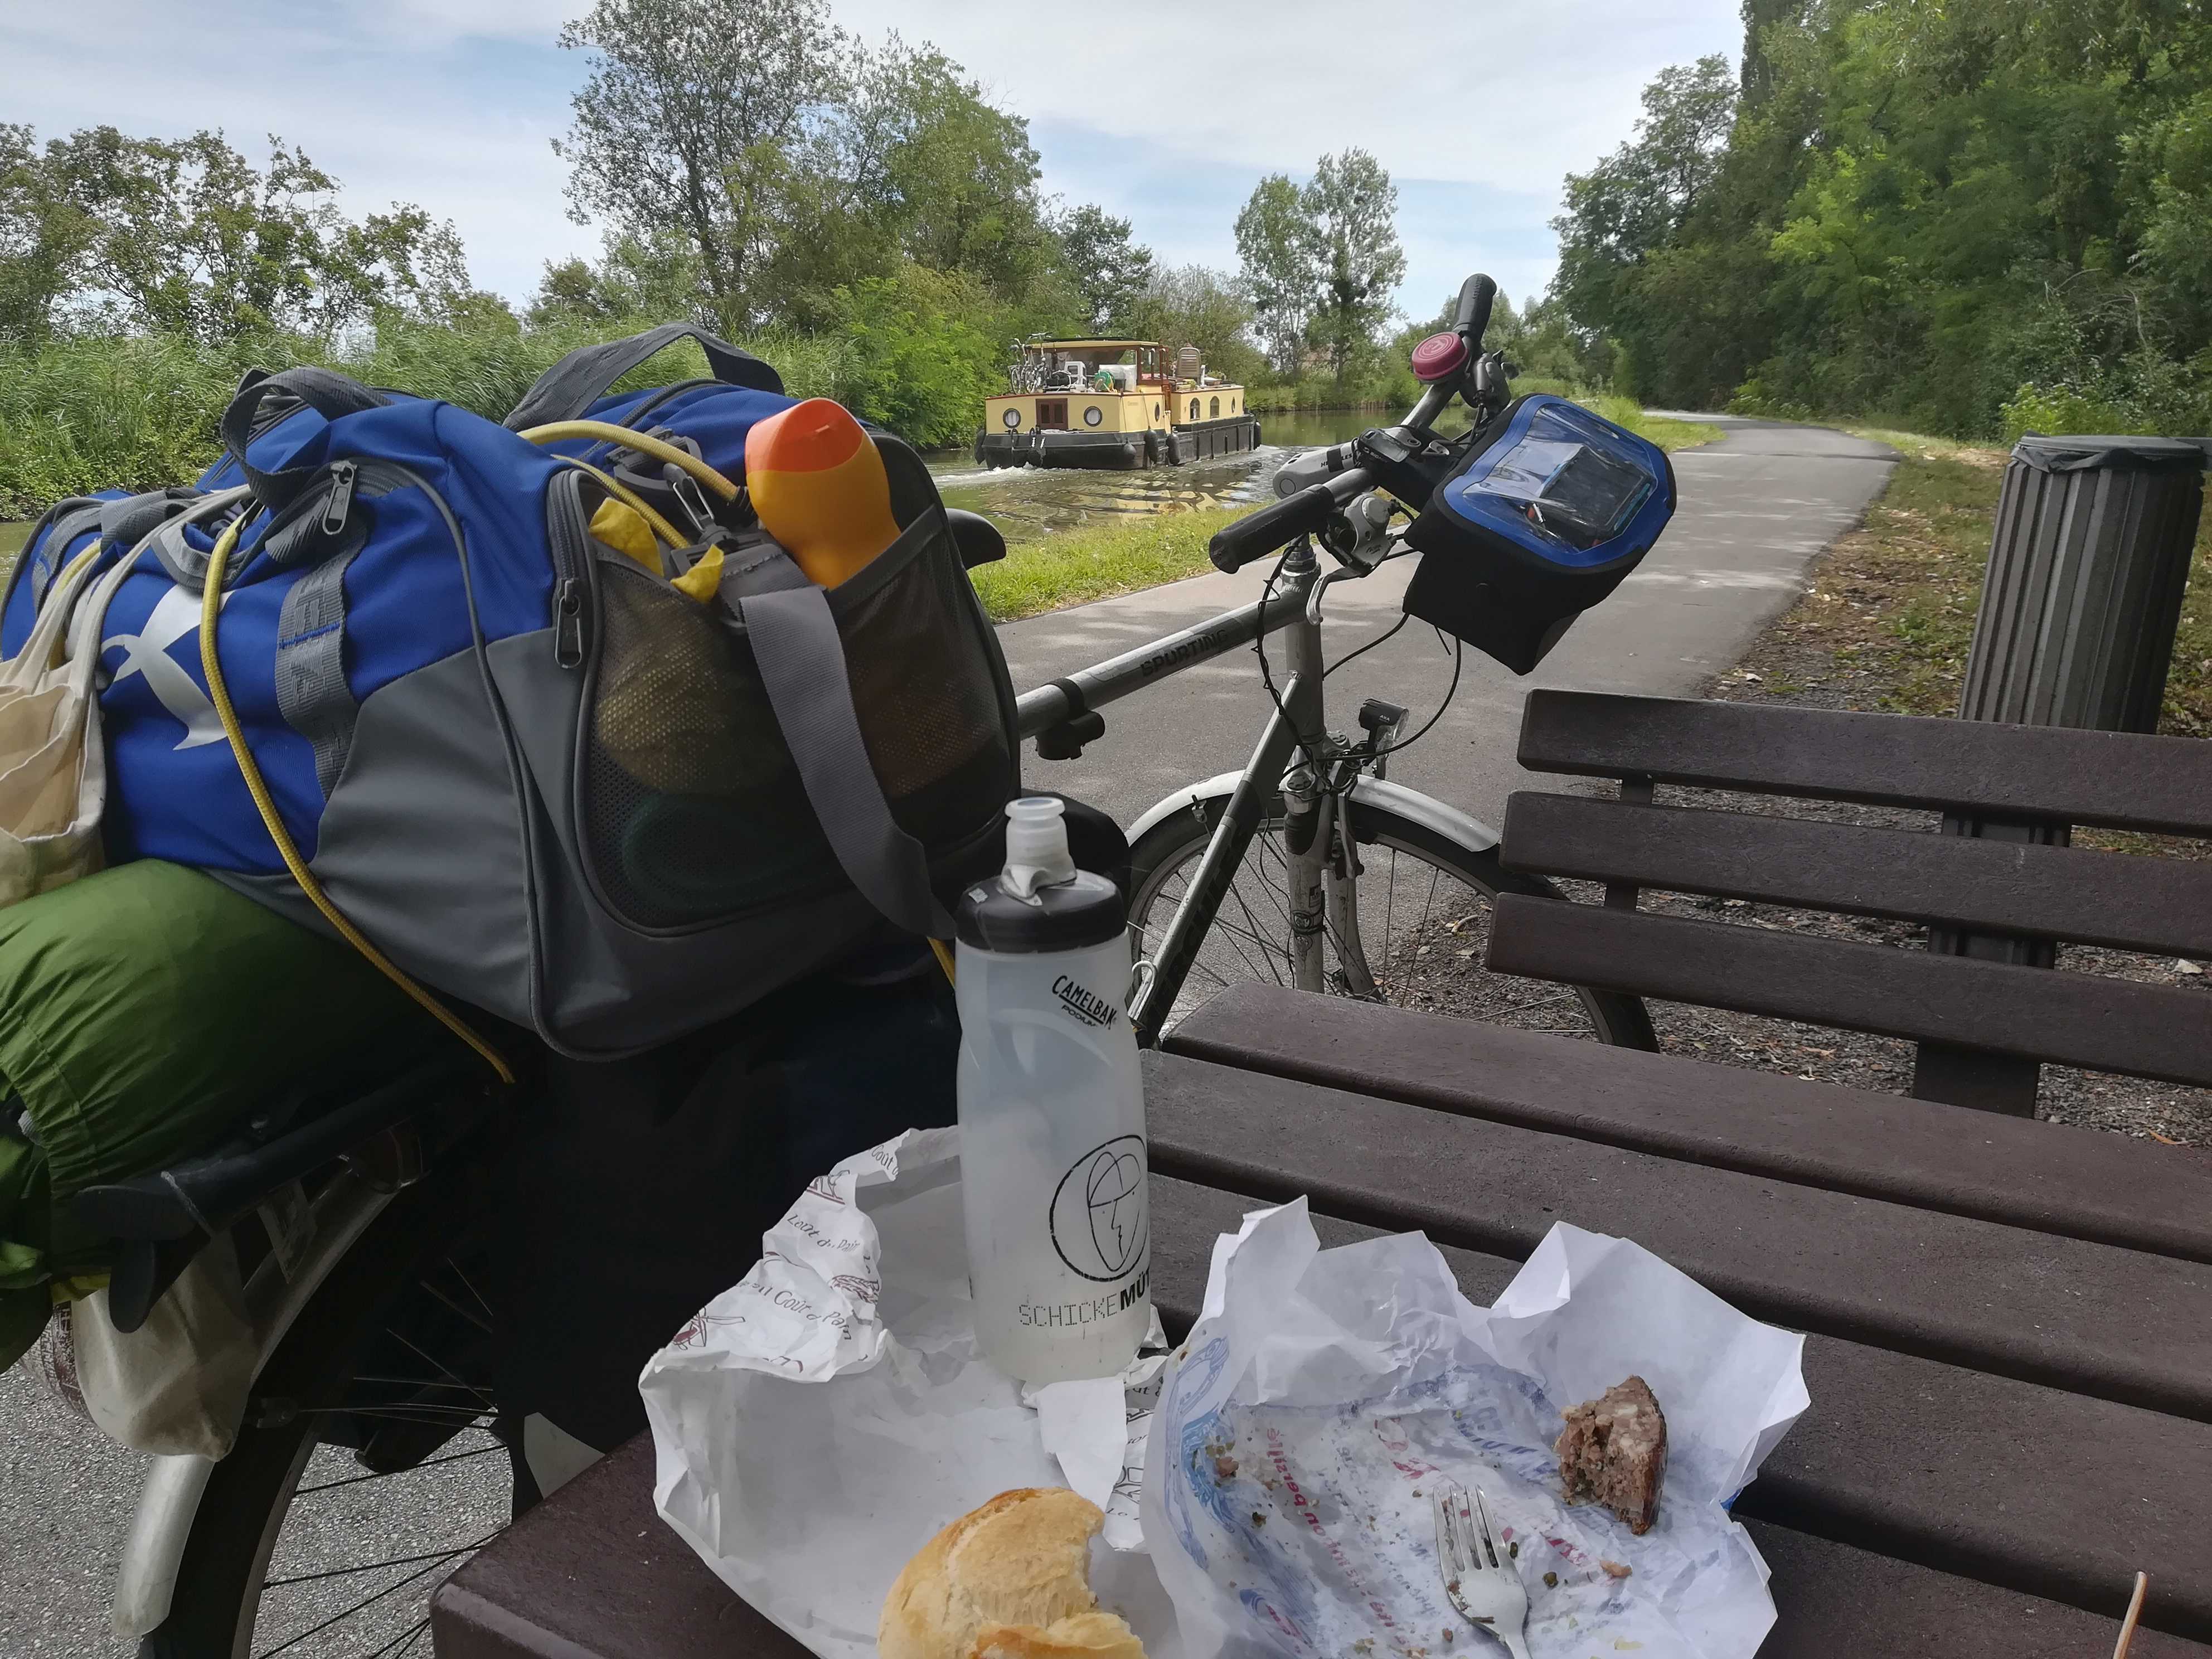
[
  {"x": 2009, "y": 1323},
  {"x": 1998, "y": 891},
  {"x": 2006, "y": 1319}
]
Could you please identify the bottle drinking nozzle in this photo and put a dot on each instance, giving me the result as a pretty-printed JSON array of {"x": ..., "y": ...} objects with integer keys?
[{"x": 1036, "y": 846}]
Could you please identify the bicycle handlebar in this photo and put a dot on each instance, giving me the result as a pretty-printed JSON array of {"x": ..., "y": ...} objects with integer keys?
[
  {"x": 1471, "y": 318},
  {"x": 1306, "y": 511},
  {"x": 1261, "y": 533}
]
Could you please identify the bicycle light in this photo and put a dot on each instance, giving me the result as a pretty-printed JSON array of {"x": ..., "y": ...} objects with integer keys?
[{"x": 1537, "y": 522}]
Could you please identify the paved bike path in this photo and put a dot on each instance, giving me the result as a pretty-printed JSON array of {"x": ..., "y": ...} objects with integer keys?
[{"x": 1756, "y": 508}]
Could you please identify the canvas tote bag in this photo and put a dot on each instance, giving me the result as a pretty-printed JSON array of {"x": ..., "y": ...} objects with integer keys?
[{"x": 53, "y": 768}]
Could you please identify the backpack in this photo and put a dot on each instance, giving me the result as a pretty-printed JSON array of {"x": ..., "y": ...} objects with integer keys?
[{"x": 535, "y": 773}]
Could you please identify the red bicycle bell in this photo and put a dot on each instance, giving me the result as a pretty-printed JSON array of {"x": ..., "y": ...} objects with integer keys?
[{"x": 1439, "y": 357}]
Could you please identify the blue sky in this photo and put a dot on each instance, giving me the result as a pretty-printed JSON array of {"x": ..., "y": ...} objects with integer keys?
[{"x": 1163, "y": 111}]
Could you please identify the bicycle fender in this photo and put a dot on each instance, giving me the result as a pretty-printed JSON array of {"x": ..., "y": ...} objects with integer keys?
[
  {"x": 1431, "y": 814},
  {"x": 169, "y": 1500}
]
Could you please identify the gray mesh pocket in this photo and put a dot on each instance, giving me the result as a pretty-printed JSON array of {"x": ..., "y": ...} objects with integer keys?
[
  {"x": 921, "y": 662},
  {"x": 692, "y": 808}
]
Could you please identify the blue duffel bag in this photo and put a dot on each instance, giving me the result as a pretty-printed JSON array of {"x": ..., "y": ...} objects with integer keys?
[{"x": 533, "y": 772}]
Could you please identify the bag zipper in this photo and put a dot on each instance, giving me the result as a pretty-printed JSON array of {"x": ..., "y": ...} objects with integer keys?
[
  {"x": 341, "y": 498},
  {"x": 566, "y": 536}
]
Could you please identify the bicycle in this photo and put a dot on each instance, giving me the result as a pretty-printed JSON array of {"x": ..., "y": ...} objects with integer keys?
[{"x": 1290, "y": 872}]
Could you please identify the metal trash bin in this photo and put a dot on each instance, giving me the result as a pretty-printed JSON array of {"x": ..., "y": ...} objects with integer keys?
[
  {"x": 2077, "y": 625},
  {"x": 2083, "y": 595}
]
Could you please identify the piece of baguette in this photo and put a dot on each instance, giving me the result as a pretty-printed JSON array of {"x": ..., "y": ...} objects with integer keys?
[
  {"x": 1020, "y": 1562},
  {"x": 1086, "y": 1636}
]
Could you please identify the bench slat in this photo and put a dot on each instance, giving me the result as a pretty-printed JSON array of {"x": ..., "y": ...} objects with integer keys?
[
  {"x": 2116, "y": 899},
  {"x": 2048, "y": 1177},
  {"x": 2119, "y": 779},
  {"x": 2004, "y": 1482},
  {"x": 2119, "y": 1324},
  {"x": 2091, "y": 1020}
]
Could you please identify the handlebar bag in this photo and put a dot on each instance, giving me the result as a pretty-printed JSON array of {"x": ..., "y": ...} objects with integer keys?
[
  {"x": 1548, "y": 510},
  {"x": 533, "y": 771}
]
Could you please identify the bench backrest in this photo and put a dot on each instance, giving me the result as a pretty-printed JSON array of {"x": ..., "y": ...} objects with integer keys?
[{"x": 1994, "y": 889}]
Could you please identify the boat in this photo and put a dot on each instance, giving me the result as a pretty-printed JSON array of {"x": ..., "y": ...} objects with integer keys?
[{"x": 1113, "y": 404}]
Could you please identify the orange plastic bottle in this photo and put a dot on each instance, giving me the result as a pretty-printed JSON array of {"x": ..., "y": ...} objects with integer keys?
[{"x": 819, "y": 487}]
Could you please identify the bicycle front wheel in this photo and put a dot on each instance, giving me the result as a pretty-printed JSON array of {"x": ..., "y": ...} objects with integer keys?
[{"x": 1422, "y": 902}]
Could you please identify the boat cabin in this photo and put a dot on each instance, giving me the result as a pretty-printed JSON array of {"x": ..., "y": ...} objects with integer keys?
[{"x": 1112, "y": 403}]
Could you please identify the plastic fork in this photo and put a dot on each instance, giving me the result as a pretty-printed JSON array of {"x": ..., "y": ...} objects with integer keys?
[{"x": 1480, "y": 1577}]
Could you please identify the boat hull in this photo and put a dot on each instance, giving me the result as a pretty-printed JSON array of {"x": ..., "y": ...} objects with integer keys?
[{"x": 1120, "y": 451}]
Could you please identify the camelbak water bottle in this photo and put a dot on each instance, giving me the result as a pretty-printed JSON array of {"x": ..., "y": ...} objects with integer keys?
[{"x": 1053, "y": 1162}]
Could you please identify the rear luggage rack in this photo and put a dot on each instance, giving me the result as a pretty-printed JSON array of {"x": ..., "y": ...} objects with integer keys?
[{"x": 160, "y": 1221}]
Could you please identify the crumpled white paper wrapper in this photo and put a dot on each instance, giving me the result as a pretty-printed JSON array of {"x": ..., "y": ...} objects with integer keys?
[
  {"x": 819, "y": 1422},
  {"x": 1289, "y": 1502}
]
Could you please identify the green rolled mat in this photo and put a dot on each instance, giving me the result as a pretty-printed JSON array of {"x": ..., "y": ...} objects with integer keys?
[{"x": 145, "y": 1012}]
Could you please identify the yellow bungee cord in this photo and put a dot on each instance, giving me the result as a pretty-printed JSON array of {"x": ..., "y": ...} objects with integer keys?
[{"x": 219, "y": 694}]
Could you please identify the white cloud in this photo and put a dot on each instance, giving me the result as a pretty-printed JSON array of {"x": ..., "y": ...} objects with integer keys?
[{"x": 1163, "y": 111}]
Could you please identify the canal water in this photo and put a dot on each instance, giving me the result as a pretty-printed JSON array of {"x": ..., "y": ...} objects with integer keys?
[{"x": 1028, "y": 502}]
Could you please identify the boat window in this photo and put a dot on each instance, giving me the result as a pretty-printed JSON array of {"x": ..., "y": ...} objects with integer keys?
[
  {"x": 1215, "y": 411},
  {"x": 1194, "y": 408}
]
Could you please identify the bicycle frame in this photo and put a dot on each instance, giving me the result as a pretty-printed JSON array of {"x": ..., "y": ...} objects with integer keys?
[{"x": 1319, "y": 905}]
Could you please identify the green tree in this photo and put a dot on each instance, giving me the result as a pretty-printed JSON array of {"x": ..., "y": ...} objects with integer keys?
[
  {"x": 1194, "y": 306},
  {"x": 189, "y": 238},
  {"x": 690, "y": 121},
  {"x": 1354, "y": 207},
  {"x": 1109, "y": 272},
  {"x": 44, "y": 237},
  {"x": 1622, "y": 212},
  {"x": 907, "y": 163},
  {"x": 630, "y": 278},
  {"x": 921, "y": 365},
  {"x": 1282, "y": 256},
  {"x": 1932, "y": 212}
]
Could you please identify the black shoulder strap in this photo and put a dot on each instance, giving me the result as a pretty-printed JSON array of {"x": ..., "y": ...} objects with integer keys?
[
  {"x": 328, "y": 394},
  {"x": 581, "y": 379}
]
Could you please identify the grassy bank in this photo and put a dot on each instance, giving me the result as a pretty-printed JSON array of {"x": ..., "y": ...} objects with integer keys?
[
  {"x": 1892, "y": 613},
  {"x": 1667, "y": 434},
  {"x": 1098, "y": 560}
]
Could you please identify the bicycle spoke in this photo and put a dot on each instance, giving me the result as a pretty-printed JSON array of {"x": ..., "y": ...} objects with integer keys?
[
  {"x": 1428, "y": 904},
  {"x": 1254, "y": 935},
  {"x": 368, "y": 1566},
  {"x": 454, "y": 1267},
  {"x": 1435, "y": 952},
  {"x": 427, "y": 1463},
  {"x": 416, "y": 1349},
  {"x": 1389, "y": 915},
  {"x": 369, "y": 1601},
  {"x": 481, "y": 1324},
  {"x": 421, "y": 1383}
]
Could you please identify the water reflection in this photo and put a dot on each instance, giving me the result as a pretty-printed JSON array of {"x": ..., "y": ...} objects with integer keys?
[{"x": 1026, "y": 503}]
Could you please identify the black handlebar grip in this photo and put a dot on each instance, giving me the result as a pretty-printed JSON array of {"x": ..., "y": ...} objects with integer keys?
[
  {"x": 1472, "y": 316},
  {"x": 1237, "y": 545}
]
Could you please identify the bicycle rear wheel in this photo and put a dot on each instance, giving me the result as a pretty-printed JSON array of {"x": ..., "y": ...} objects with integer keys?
[
  {"x": 372, "y": 1464},
  {"x": 1424, "y": 911}
]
